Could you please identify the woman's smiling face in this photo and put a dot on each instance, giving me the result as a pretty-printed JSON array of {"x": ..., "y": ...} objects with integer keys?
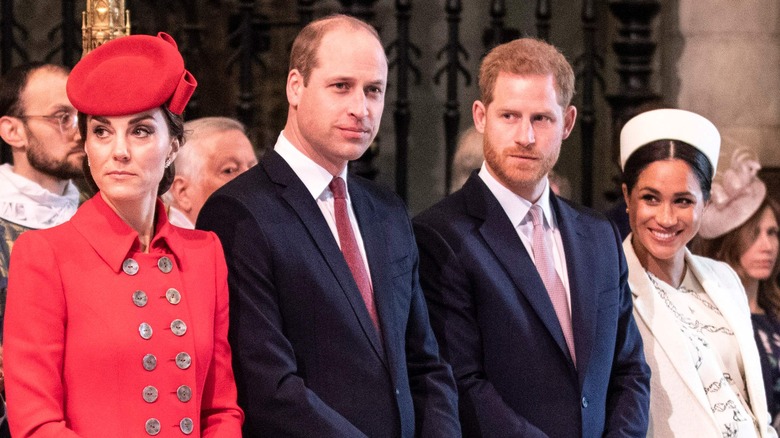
[{"x": 665, "y": 209}]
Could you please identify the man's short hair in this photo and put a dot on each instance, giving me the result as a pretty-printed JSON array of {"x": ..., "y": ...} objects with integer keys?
[
  {"x": 13, "y": 83},
  {"x": 303, "y": 56},
  {"x": 189, "y": 161},
  {"x": 526, "y": 56}
]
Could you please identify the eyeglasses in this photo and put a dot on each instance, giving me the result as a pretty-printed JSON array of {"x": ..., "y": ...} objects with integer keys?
[{"x": 68, "y": 121}]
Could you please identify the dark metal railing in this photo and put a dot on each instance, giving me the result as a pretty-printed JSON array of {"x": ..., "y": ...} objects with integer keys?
[
  {"x": 251, "y": 33},
  {"x": 453, "y": 68},
  {"x": 403, "y": 48}
]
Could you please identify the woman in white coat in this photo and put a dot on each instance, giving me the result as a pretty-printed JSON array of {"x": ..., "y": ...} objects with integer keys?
[{"x": 691, "y": 311}]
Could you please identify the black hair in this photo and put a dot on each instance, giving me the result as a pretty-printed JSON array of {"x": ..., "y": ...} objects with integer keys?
[{"x": 667, "y": 150}]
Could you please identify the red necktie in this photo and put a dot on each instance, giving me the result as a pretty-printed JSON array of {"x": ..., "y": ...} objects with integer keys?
[
  {"x": 349, "y": 247},
  {"x": 546, "y": 266}
]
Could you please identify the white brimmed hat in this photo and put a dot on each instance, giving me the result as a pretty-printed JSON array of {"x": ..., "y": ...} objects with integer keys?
[
  {"x": 670, "y": 124},
  {"x": 736, "y": 196}
]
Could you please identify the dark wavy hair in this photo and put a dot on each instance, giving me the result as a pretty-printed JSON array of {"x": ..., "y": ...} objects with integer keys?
[{"x": 175, "y": 124}]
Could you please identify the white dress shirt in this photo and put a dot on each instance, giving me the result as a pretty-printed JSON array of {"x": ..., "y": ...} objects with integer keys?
[
  {"x": 178, "y": 218},
  {"x": 316, "y": 179},
  {"x": 517, "y": 207}
]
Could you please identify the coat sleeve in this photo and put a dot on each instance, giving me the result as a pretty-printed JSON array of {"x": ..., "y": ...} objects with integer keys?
[
  {"x": 452, "y": 307},
  {"x": 35, "y": 341},
  {"x": 628, "y": 396},
  {"x": 430, "y": 378},
  {"x": 274, "y": 397},
  {"x": 220, "y": 415}
]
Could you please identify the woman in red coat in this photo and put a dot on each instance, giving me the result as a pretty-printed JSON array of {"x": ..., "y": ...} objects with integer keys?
[{"x": 116, "y": 322}]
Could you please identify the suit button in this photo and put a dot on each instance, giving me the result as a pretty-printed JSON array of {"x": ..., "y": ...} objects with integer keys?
[
  {"x": 183, "y": 360},
  {"x": 152, "y": 426},
  {"x": 186, "y": 425},
  {"x": 184, "y": 393},
  {"x": 150, "y": 362},
  {"x": 397, "y": 392},
  {"x": 165, "y": 264},
  {"x": 173, "y": 296},
  {"x": 130, "y": 267},
  {"x": 150, "y": 394},
  {"x": 584, "y": 402},
  {"x": 140, "y": 298},
  {"x": 145, "y": 330}
]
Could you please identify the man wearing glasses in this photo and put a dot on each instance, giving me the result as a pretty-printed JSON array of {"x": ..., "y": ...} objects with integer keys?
[{"x": 39, "y": 124}]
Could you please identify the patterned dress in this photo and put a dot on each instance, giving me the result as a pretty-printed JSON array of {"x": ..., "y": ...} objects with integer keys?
[
  {"x": 767, "y": 331},
  {"x": 711, "y": 344}
]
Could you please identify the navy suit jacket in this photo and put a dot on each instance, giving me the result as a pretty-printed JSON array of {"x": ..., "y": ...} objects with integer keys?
[
  {"x": 307, "y": 358},
  {"x": 496, "y": 325}
]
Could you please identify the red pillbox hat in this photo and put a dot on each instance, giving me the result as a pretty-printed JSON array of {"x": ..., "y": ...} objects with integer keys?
[{"x": 129, "y": 75}]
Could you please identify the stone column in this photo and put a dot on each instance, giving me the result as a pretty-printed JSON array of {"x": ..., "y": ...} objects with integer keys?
[{"x": 722, "y": 59}]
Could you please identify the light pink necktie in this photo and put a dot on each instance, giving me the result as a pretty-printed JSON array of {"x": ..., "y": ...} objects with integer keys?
[
  {"x": 349, "y": 248},
  {"x": 543, "y": 257}
]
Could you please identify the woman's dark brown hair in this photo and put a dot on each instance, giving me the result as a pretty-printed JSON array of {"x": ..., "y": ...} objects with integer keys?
[
  {"x": 175, "y": 124},
  {"x": 730, "y": 247}
]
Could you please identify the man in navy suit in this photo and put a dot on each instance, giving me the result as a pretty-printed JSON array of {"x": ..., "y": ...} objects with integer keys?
[
  {"x": 328, "y": 323},
  {"x": 527, "y": 292}
]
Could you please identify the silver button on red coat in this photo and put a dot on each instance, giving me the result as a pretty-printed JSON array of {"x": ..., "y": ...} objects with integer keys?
[
  {"x": 139, "y": 298},
  {"x": 178, "y": 327},
  {"x": 130, "y": 267},
  {"x": 173, "y": 296},
  {"x": 165, "y": 264},
  {"x": 145, "y": 330},
  {"x": 152, "y": 426},
  {"x": 150, "y": 362},
  {"x": 150, "y": 394},
  {"x": 183, "y": 360},
  {"x": 184, "y": 393},
  {"x": 186, "y": 425}
]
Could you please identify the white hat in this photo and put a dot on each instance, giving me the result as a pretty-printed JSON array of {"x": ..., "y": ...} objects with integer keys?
[
  {"x": 670, "y": 124},
  {"x": 736, "y": 196}
]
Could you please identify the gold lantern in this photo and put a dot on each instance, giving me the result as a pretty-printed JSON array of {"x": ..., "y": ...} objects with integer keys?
[{"x": 104, "y": 20}]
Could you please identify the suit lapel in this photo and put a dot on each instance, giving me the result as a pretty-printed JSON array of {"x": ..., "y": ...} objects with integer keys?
[
  {"x": 294, "y": 192},
  {"x": 723, "y": 297},
  {"x": 502, "y": 239},
  {"x": 376, "y": 243},
  {"x": 649, "y": 306},
  {"x": 583, "y": 285}
]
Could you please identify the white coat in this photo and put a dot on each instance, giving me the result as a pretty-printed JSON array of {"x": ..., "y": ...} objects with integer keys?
[{"x": 678, "y": 404}]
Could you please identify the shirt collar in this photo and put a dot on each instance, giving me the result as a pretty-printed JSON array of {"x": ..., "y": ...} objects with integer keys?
[
  {"x": 515, "y": 206},
  {"x": 314, "y": 177},
  {"x": 178, "y": 218},
  {"x": 26, "y": 203},
  {"x": 114, "y": 240}
]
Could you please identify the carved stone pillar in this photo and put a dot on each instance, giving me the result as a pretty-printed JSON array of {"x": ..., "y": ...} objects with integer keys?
[{"x": 722, "y": 63}]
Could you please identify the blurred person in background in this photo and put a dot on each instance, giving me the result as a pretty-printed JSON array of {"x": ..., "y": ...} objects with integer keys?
[{"x": 217, "y": 151}]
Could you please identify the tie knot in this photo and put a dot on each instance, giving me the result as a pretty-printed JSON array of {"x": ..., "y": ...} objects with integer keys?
[
  {"x": 536, "y": 215},
  {"x": 338, "y": 188}
]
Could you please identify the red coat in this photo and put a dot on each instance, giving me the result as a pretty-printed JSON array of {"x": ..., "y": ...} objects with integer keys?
[{"x": 76, "y": 359}]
